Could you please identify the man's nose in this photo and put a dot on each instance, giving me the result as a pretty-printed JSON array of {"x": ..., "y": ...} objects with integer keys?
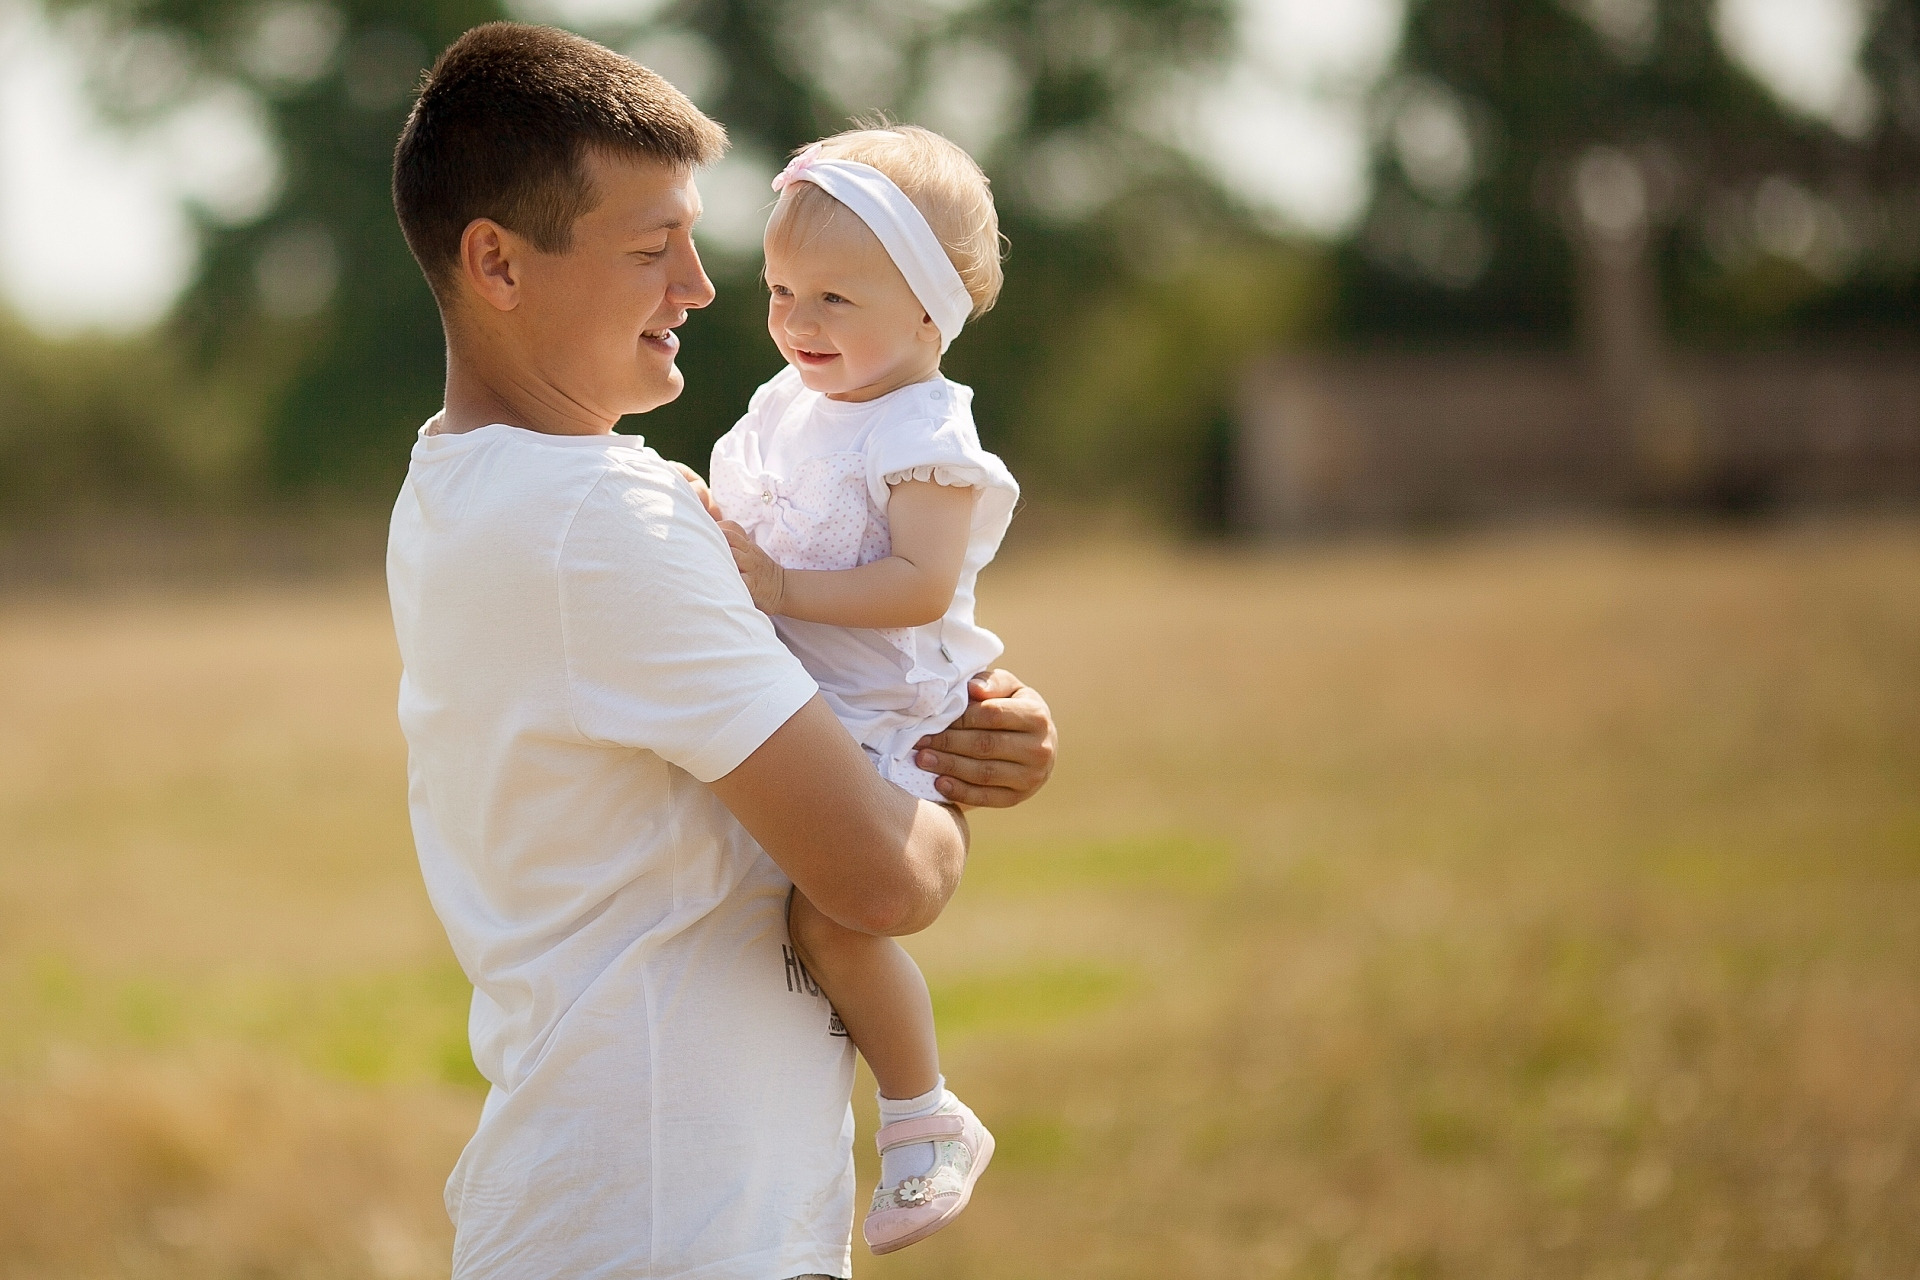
[{"x": 691, "y": 288}]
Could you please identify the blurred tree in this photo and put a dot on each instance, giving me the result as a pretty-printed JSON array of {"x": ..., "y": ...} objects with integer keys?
[
  {"x": 84, "y": 423},
  {"x": 317, "y": 307},
  {"x": 1522, "y": 140},
  {"x": 313, "y": 317}
]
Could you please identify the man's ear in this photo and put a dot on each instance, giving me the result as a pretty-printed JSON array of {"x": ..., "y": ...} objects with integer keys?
[{"x": 491, "y": 261}]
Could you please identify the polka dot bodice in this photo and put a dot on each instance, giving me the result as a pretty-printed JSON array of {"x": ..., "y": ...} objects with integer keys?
[{"x": 818, "y": 518}]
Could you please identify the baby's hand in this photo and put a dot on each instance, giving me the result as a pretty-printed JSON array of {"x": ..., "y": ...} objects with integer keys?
[
  {"x": 766, "y": 580},
  {"x": 700, "y": 489}
]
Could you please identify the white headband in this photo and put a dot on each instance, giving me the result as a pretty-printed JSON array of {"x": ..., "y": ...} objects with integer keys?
[{"x": 902, "y": 230}]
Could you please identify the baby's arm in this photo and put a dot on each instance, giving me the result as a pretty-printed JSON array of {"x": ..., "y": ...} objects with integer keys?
[{"x": 908, "y": 588}]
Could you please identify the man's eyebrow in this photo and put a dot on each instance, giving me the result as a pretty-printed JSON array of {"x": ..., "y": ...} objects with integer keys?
[{"x": 673, "y": 224}]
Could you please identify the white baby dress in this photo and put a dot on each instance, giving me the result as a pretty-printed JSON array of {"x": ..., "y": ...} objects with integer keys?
[{"x": 807, "y": 478}]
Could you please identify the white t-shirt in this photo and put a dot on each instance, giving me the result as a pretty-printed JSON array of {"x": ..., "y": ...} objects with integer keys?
[
  {"x": 808, "y": 477},
  {"x": 669, "y": 1092}
]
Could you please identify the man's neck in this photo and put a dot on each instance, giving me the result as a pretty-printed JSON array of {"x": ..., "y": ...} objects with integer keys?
[{"x": 489, "y": 386}]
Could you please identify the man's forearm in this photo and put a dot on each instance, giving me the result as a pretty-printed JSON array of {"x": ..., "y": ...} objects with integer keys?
[
  {"x": 935, "y": 855},
  {"x": 867, "y": 854}
]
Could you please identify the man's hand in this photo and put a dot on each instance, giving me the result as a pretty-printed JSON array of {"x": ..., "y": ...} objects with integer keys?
[
  {"x": 700, "y": 489},
  {"x": 765, "y": 579},
  {"x": 1000, "y": 751}
]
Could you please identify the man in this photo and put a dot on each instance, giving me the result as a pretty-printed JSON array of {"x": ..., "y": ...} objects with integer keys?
[{"x": 616, "y": 771}]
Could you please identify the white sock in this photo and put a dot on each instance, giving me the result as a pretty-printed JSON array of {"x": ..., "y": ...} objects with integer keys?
[{"x": 916, "y": 1160}]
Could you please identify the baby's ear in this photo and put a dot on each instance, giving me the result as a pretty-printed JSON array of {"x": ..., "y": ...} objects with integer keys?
[{"x": 929, "y": 331}]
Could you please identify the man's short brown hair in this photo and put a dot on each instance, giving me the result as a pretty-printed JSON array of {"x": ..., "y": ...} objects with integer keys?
[{"x": 502, "y": 128}]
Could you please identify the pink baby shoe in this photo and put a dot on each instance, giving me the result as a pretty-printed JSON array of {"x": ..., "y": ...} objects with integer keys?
[{"x": 917, "y": 1207}]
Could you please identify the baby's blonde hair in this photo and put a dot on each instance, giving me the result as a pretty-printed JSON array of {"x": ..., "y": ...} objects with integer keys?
[{"x": 941, "y": 179}]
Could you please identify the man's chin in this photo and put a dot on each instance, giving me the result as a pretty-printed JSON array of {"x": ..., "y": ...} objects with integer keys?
[{"x": 660, "y": 391}]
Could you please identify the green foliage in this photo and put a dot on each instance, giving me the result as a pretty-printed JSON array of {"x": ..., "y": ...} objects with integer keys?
[
  {"x": 94, "y": 422},
  {"x": 1135, "y": 288},
  {"x": 66, "y": 428},
  {"x": 1494, "y": 105},
  {"x": 1132, "y": 395}
]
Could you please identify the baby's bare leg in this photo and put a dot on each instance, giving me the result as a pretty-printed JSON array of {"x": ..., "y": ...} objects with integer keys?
[{"x": 877, "y": 990}]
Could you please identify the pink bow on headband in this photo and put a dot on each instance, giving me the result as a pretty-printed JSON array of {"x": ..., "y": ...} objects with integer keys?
[{"x": 797, "y": 167}]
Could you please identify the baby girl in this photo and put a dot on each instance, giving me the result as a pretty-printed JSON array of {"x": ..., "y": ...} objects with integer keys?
[{"x": 860, "y": 508}]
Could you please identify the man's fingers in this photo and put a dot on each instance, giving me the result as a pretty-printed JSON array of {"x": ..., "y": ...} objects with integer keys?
[
  {"x": 981, "y": 773},
  {"x": 1001, "y": 714},
  {"x": 976, "y": 796},
  {"x": 1000, "y": 750},
  {"x": 993, "y": 684},
  {"x": 978, "y": 744},
  {"x": 988, "y": 744}
]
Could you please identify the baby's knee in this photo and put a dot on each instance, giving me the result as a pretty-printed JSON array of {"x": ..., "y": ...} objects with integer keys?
[{"x": 814, "y": 933}]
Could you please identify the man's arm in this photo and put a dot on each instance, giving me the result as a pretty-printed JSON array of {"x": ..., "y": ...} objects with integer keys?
[
  {"x": 870, "y": 856},
  {"x": 1000, "y": 751}
]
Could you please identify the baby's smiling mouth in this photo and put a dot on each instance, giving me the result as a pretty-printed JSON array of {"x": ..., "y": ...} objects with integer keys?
[{"x": 815, "y": 357}]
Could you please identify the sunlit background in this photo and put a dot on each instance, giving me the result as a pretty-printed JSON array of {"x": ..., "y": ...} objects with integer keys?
[
  {"x": 1472, "y": 543},
  {"x": 98, "y": 225}
]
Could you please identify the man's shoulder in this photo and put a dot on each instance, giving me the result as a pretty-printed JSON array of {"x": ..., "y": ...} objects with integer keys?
[
  {"x": 631, "y": 496},
  {"x": 583, "y": 467},
  {"x": 483, "y": 483}
]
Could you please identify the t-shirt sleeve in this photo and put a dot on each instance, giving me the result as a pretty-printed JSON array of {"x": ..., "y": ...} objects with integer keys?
[{"x": 665, "y": 651}]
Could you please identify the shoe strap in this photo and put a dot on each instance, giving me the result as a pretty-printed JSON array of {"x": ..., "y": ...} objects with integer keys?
[{"x": 904, "y": 1133}]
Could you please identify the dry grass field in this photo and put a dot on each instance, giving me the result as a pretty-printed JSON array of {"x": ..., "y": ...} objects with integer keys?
[{"x": 1523, "y": 908}]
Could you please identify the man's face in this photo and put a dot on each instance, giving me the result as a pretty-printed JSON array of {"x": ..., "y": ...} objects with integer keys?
[{"x": 598, "y": 319}]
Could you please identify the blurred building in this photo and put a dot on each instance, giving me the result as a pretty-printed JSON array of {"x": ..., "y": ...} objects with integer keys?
[{"x": 1328, "y": 442}]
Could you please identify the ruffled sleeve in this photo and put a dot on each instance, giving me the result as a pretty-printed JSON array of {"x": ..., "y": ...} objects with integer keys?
[
  {"x": 933, "y": 438},
  {"x": 957, "y": 475}
]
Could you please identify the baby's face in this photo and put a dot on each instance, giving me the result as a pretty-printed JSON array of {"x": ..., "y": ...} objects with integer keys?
[{"x": 842, "y": 314}]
